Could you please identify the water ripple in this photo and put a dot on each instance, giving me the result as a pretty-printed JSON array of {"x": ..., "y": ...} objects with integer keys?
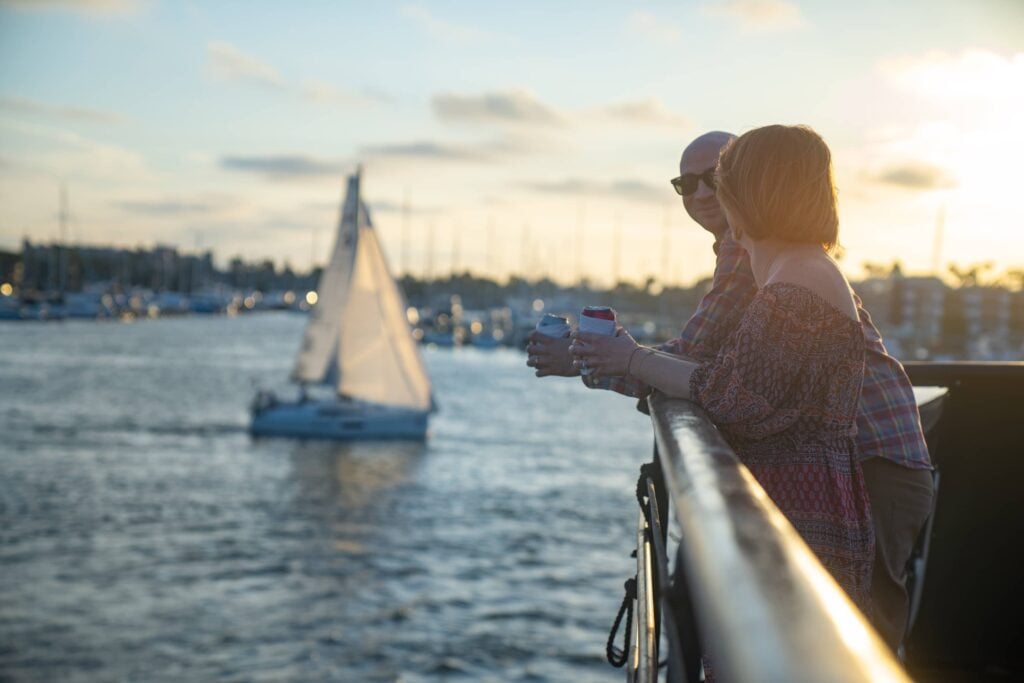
[{"x": 145, "y": 537}]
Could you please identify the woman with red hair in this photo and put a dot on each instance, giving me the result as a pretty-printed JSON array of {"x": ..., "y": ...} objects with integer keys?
[{"x": 784, "y": 387}]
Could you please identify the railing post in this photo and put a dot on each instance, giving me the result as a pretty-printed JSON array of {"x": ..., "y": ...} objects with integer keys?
[
  {"x": 643, "y": 665},
  {"x": 764, "y": 603}
]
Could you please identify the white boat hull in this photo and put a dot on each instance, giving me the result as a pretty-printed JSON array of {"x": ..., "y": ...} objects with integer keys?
[{"x": 332, "y": 419}]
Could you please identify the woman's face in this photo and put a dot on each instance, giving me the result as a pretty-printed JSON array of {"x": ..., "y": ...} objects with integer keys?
[{"x": 737, "y": 226}]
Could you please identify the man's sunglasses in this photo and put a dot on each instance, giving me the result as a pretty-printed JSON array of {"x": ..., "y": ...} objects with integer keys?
[{"x": 686, "y": 184}]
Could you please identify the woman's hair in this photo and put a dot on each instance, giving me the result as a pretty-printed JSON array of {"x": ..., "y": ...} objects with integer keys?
[{"x": 778, "y": 179}]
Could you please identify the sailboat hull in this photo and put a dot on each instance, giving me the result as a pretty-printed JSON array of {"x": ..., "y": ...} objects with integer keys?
[{"x": 340, "y": 420}]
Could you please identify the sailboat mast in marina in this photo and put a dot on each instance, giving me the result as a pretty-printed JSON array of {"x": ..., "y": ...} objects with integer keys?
[{"x": 358, "y": 345}]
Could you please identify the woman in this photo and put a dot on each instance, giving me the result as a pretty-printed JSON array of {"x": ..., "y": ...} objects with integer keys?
[{"x": 784, "y": 386}]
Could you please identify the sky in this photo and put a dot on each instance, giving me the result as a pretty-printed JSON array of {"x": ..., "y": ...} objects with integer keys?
[{"x": 533, "y": 138}]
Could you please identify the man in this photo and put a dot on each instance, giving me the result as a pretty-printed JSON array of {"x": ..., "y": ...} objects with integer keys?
[{"x": 890, "y": 444}]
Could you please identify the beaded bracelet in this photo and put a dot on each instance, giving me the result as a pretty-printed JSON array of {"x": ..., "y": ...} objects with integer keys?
[{"x": 629, "y": 363}]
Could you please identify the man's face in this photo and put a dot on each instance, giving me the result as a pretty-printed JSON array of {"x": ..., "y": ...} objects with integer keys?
[{"x": 702, "y": 205}]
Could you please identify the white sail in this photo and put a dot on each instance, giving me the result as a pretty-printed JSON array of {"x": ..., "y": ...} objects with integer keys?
[
  {"x": 378, "y": 359},
  {"x": 317, "y": 361},
  {"x": 358, "y": 342}
]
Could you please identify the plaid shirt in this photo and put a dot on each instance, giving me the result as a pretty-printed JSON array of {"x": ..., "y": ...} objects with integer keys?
[{"x": 888, "y": 423}]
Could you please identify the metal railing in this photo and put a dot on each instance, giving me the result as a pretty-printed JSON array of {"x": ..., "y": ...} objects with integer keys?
[{"x": 745, "y": 584}]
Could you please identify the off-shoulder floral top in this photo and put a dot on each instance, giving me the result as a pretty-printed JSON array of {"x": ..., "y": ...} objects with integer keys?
[{"x": 784, "y": 390}]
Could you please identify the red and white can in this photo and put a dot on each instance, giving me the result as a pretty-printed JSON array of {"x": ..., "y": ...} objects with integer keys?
[{"x": 596, "y": 320}]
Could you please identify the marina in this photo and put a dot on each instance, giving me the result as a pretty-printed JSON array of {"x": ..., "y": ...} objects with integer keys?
[
  {"x": 432, "y": 342},
  {"x": 148, "y": 536}
]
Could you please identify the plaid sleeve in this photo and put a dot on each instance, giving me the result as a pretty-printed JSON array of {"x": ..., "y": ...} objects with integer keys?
[
  {"x": 888, "y": 422},
  {"x": 717, "y": 315}
]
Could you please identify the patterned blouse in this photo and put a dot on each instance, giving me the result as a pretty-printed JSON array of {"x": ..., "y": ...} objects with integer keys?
[
  {"x": 888, "y": 422},
  {"x": 783, "y": 390}
]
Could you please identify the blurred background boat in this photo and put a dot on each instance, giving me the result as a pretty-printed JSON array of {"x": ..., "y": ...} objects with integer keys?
[{"x": 358, "y": 352}]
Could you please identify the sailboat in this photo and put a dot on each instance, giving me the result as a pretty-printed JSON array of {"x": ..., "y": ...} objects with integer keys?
[{"x": 357, "y": 349}]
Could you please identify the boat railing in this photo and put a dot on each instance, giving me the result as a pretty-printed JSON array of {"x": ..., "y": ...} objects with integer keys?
[{"x": 745, "y": 585}]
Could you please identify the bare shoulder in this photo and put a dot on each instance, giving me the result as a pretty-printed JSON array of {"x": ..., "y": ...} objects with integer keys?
[{"x": 822, "y": 276}]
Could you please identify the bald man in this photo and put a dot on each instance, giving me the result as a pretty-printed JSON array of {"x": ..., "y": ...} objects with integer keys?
[
  {"x": 720, "y": 308},
  {"x": 890, "y": 444}
]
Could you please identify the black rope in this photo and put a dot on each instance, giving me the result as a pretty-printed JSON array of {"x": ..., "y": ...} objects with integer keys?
[
  {"x": 652, "y": 471},
  {"x": 617, "y": 657}
]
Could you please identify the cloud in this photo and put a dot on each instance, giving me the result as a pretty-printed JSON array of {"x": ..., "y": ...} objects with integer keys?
[
  {"x": 916, "y": 175},
  {"x": 512, "y": 106},
  {"x": 633, "y": 190},
  {"x": 327, "y": 93},
  {"x": 442, "y": 30},
  {"x": 283, "y": 167},
  {"x": 387, "y": 206},
  {"x": 175, "y": 207},
  {"x": 427, "y": 150},
  {"x": 758, "y": 16},
  {"x": 226, "y": 62},
  {"x": 649, "y": 27},
  {"x": 15, "y": 168},
  {"x": 980, "y": 77},
  {"x": 21, "y": 105},
  {"x": 69, "y": 154},
  {"x": 522, "y": 108},
  {"x": 650, "y": 111},
  {"x": 81, "y": 6},
  {"x": 485, "y": 151}
]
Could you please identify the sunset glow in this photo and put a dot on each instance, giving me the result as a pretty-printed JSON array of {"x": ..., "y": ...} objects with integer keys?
[{"x": 522, "y": 139}]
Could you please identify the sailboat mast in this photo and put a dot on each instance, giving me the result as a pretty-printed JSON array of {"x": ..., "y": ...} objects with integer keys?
[
  {"x": 940, "y": 224},
  {"x": 359, "y": 195},
  {"x": 581, "y": 209},
  {"x": 616, "y": 251},
  {"x": 62, "y": 276},
  {"x": 405, "y": 234}
]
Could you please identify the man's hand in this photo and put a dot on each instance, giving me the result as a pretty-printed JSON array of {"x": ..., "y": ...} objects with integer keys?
[{"x": 550, "y": 356}]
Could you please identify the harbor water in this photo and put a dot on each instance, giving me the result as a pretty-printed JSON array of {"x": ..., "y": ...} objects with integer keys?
[{"x": 145, "y": 536}]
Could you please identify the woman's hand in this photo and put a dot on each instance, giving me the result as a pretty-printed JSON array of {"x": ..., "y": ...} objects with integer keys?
[{"x": 606, "y": 356}]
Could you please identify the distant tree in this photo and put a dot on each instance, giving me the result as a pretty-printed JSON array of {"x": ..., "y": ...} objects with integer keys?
[
  {"x": 875, "y": 270},
  {"x": 897, "y": 300},
  {"x": 970, "y": 275},
  {"x": 1012, "y": 279}
]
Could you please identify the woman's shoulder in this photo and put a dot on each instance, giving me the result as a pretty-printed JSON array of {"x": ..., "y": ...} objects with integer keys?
[{"x": 816, "y": 278}]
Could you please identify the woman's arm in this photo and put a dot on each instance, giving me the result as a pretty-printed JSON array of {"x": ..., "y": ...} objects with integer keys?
[
  {"x": 668, "y": 373},
  {"x": 621, "y": 356}
]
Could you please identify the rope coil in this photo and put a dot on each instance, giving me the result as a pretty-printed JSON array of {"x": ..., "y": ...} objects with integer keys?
[{"x": 615, "y": 656}]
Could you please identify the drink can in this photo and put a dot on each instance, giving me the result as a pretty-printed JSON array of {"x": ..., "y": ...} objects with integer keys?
[
  {"x": 554, "y": 326},
  {"x": 596, "y": 320}
]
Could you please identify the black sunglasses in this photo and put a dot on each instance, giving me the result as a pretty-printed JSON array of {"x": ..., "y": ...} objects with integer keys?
[{"x": 686, "y": 184}]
